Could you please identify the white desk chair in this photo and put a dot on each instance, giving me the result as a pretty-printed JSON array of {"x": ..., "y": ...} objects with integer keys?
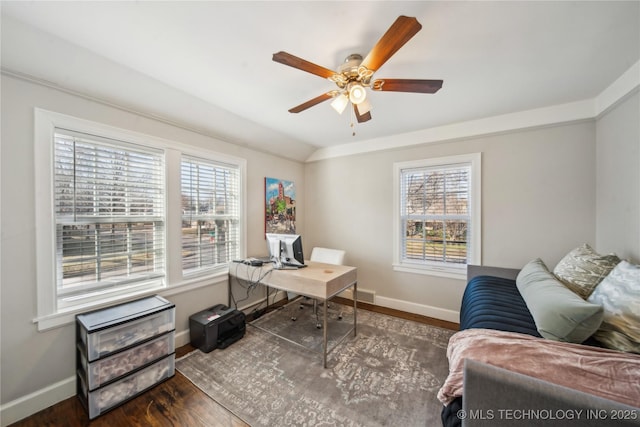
[{"x": 327, "y": 256}]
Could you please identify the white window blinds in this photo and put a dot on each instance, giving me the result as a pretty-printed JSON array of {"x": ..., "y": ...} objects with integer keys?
[
  {"x": 436, "y": 214},
  {"x": 109, "y": 213},
  {"x": 210, "y": 214}
]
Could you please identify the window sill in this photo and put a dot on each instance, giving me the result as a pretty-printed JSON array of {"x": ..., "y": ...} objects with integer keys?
[
  {"x": 459, "y": 273},
  {"x": 68, "y": 316}
]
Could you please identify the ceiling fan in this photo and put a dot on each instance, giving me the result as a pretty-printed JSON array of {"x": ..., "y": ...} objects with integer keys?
[{"x": 356, "y": 73}]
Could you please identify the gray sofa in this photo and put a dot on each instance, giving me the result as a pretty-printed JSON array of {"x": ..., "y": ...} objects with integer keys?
[{"x": 497, "y": 397}]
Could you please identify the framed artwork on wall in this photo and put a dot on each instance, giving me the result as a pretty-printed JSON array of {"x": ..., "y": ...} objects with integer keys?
[{"x": 280, "y": 206}]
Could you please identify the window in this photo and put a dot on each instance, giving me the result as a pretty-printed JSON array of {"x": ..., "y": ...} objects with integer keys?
[
  {"x": 110, "y": 225},
  {"x": 109, "y": 216},
  {"x": 210, "y": 214},
  {"x": 437, "y": 221}
]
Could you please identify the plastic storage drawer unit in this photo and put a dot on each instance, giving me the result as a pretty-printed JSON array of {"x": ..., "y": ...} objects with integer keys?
[
  {"x": 106, "y": 331},
  {"x": 122, "y": 351},
  {"x": 105, "y": 370},
  {"x": 99, "y": 401}
]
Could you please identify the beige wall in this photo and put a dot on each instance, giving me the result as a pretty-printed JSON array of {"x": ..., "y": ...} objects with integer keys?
[
  {"x": 538, "y": 198},
  {"x": 31, "y": 360},
  {"x": 545, "y": 191},
  {"x": 618, "y": 180}
]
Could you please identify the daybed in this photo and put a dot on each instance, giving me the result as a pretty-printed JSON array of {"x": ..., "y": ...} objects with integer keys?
[{"x": 527, "y": 347}]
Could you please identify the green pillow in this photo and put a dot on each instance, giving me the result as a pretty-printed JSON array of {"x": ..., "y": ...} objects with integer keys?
[{"x": 560, "y": 314}]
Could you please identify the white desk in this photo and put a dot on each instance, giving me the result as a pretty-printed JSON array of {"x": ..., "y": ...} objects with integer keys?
[{"x": 317, "y": 280}]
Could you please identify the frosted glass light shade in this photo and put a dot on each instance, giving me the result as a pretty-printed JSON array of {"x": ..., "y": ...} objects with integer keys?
[{"x": 340, "y": 103}]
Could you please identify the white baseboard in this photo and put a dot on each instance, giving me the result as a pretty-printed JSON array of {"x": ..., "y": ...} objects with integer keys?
[
  {"x": 34, "y": 402},
  {"x": 182, "y": 338},
  {"x": 364, "y": 295},
  {"x": 424, "y": 310}
]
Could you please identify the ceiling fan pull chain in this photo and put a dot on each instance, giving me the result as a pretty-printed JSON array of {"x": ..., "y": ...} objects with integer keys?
[{"x": 353, "y": 126}]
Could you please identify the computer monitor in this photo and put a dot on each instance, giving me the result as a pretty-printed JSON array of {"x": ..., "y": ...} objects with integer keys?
[{"x": 287, "y": 248}]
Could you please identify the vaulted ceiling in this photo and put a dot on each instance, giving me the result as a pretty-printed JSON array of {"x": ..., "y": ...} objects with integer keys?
[{"x": 207, "y": 65}]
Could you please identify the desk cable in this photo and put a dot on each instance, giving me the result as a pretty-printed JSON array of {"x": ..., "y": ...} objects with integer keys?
[{"x": 249, "y": 285}]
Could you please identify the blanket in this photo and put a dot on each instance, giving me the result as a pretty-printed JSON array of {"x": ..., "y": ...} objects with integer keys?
[{"x": 610, "y": 374}]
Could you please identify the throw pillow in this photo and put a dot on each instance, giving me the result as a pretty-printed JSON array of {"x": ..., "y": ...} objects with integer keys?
[
  {"x": 559, "y": 314},
  {"x": 619, "y": 294},
  {"x": 583, "y": 268}
]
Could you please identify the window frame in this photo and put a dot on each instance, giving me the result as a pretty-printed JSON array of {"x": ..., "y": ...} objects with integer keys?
[
  {"x": 49, "y": 314},
  {"x": 441, "y": 269},
  {"x": 79, "y": 160},
  {"x": 216, "y": 165}
]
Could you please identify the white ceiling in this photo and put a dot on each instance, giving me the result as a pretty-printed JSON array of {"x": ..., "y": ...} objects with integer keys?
[{"x": 211, "y": 65}]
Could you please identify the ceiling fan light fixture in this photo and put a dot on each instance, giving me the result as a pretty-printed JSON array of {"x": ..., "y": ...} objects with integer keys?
[
  {"x": 340, "y": 103},
  {"x": 354, "y": 76},
  {"x": 357, "y": 93}
]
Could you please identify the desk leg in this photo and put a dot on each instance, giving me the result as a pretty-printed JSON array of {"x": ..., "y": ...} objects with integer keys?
[
  {"x": 355, "y": 307},
  {"x": 324, "y": 334}
]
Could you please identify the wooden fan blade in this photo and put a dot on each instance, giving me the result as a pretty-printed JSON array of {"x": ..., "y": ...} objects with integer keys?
[
  {"x": 311, "y": 102},
  {"x": 361, "y": 118},
  {"x": 299, "y": 63},
  {"x": 407, "y": 85},
  {"x": 396, "y": 36}
]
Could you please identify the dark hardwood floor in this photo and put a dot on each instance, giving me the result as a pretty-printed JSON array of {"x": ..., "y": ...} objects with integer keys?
[{"x": 175, "y": 402}]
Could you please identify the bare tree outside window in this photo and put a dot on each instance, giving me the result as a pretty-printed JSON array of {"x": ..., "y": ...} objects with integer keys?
[{"x": 435, "y": 214}]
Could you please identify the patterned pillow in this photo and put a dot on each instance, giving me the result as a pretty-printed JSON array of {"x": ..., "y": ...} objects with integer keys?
[
  {"x": 583, "y": 268},
  {"x": 619, "y": 295}
]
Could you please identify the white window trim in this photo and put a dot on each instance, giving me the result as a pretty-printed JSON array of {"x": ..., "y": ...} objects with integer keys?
[
  {"x": 440, "y": 269},
  {"x": 48, "y": 315}
]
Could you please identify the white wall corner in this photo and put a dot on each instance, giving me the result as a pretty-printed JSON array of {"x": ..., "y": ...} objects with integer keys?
[{"x": 619, "y": 89}]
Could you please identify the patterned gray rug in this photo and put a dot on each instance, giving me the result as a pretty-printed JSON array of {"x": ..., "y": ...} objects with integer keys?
[{"x": 389, "y": 374}]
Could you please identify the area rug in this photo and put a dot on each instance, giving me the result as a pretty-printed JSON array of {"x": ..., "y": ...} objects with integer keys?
[{"x": 389, "y": 374}]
